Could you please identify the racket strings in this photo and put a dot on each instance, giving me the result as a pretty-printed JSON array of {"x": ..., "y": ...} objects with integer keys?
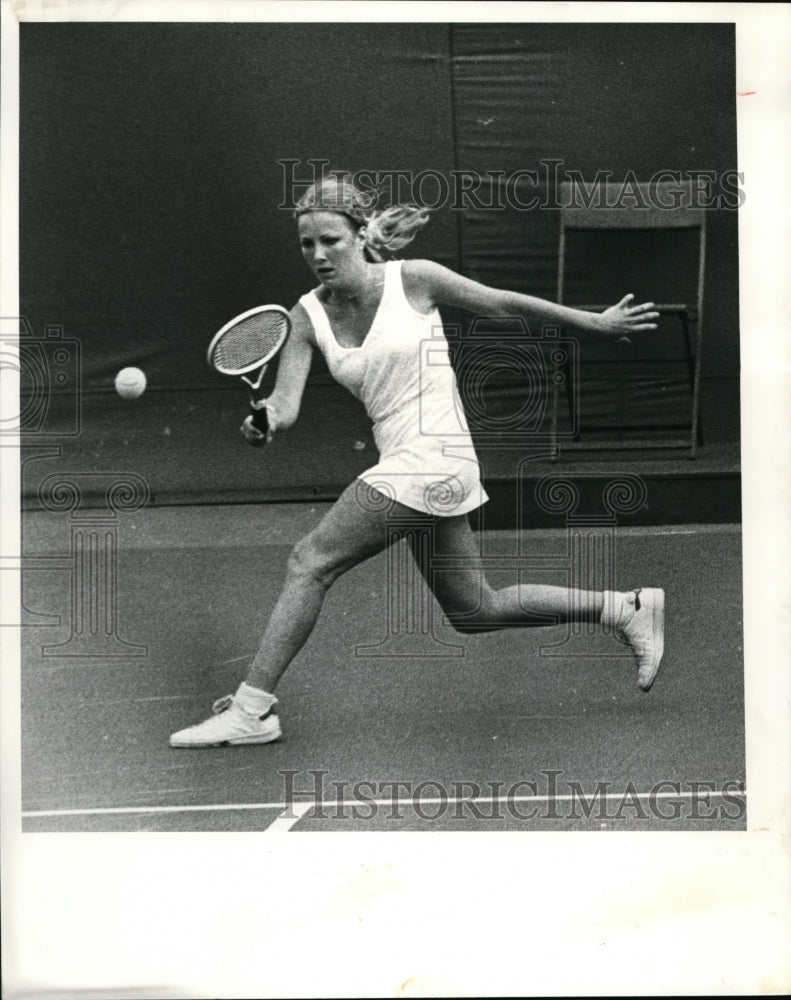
[{"x": 250, "y": 341}]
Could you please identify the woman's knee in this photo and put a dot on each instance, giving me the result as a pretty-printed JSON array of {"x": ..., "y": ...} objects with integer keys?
[
  {"x": 471, "y": 622},
  {"x": 466, "y": 616},
  {"x": 309, "y": 560}
]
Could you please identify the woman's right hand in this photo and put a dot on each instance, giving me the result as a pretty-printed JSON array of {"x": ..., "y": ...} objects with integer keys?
[{"x": 252, "y": 435}]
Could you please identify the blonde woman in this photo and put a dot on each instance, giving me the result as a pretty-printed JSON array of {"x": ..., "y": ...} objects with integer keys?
[{"x": 369, "y": 316}]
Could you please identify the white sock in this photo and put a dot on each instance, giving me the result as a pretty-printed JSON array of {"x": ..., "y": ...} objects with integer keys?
[
  {"x": 612, "y": 608},
  {"x": 254, "y": 701}
]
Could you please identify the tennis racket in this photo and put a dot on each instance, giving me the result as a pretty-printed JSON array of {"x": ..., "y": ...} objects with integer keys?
[{"x": 245, "y": 346}]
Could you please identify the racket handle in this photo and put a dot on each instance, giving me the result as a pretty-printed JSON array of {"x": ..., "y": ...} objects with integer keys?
[{"x": 259, "y": 417}]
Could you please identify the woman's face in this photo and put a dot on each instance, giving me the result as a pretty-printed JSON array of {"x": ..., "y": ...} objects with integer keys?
[{"x": 332, "y": 247}]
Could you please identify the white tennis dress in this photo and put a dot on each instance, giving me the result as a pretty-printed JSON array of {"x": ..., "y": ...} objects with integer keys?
[{"x": 403, "y": 376}]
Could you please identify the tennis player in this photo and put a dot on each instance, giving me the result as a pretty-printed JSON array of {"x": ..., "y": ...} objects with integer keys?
[{"x": 369, "y": 316}]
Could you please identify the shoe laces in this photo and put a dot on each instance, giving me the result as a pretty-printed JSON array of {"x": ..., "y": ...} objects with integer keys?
[
  {"x": 632, "y": 600},
  {"x": 222, "y": 704}
]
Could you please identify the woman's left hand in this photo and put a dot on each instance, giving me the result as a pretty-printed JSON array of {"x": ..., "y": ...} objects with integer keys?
[{"x": 624, "y": 319}]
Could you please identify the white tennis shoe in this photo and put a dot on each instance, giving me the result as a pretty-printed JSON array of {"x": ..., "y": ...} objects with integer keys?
[
  {"x": 230, "y": 725},
  {"x": 644, "y": 631}
]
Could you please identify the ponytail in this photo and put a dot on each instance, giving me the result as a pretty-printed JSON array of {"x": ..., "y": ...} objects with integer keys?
[
  {"x": 394, "y": 228},
  {"x": 386, "y": 231}
]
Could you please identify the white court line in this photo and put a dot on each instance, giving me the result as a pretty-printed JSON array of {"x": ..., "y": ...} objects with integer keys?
[
  {"x": 289, "y": 817},
  {"x": 729, "y": 528},
  {"x": 293, "y": 811},
  {"x": 126, "y": 810},
  {"x": 165, "y": 540},
  {"x": 732, "y": 528}
]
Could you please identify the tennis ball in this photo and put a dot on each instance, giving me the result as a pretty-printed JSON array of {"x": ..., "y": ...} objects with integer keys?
[{"x": 130, "y": 383}]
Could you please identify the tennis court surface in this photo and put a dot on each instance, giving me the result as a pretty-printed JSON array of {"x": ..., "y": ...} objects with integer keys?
[{"x": 391, "y": 720}]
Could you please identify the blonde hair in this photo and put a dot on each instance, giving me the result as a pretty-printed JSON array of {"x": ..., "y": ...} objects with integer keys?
[{"x": 386, "y": 231}]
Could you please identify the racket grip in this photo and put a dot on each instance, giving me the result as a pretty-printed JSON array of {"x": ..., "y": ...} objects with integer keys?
[{"x": 259, "y": 417}]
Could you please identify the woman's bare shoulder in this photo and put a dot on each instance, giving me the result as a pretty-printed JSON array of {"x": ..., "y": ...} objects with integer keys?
[
  {"x": 302, "y": 325},
  {"x": 422, "y": 270},
  {"x": 421, "y": 278}
]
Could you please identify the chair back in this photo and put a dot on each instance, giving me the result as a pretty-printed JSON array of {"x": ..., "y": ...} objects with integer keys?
[{"x": 656, "y": 205}]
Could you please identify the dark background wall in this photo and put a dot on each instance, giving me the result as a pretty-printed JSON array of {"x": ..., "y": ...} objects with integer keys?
[
  {"x": 150, "y": 177},
  {"x": 151, "y": 181}
]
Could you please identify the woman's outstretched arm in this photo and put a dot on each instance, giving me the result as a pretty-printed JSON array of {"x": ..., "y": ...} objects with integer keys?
[{"x": 428, "y": 284}]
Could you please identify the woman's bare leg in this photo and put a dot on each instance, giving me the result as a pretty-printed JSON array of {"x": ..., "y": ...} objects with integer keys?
[
  {"x": 454, "y": 572},
  {"x": 453, "y": 568},
  {"x": 351, "y": 532}
]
